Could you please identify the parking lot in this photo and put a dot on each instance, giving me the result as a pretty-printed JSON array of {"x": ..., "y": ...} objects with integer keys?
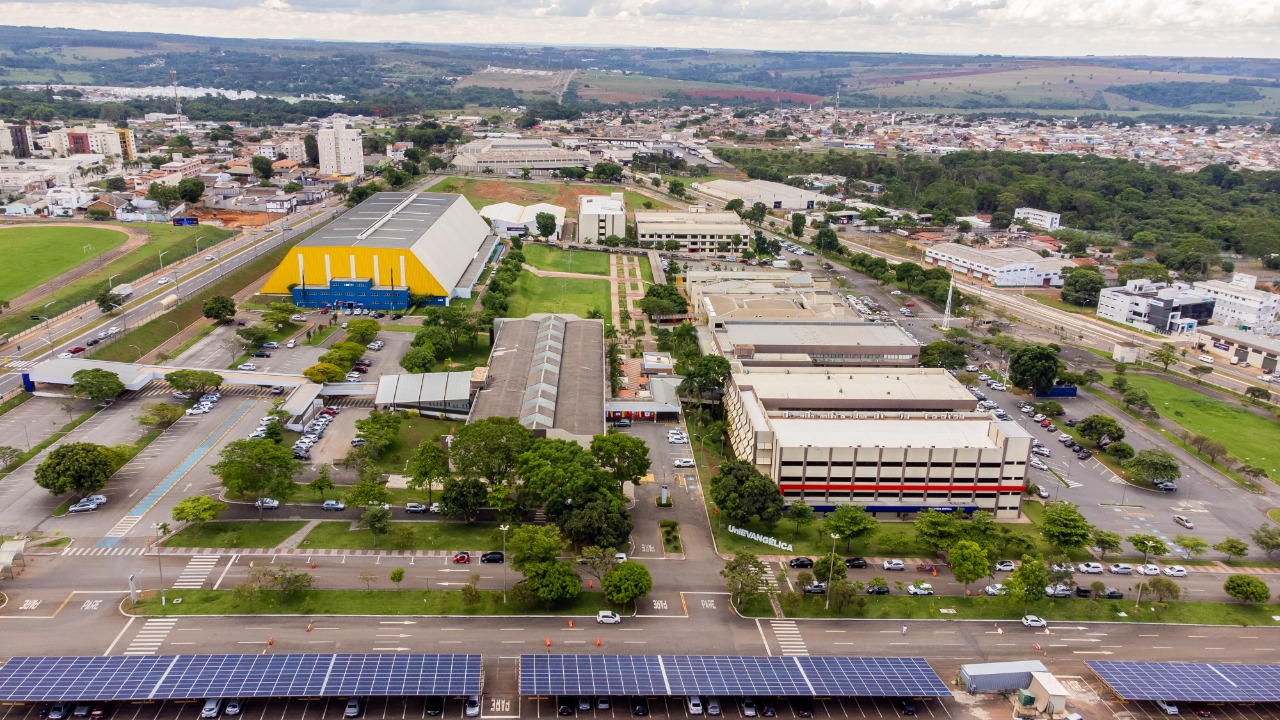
[{"x": 732, "y": 707}]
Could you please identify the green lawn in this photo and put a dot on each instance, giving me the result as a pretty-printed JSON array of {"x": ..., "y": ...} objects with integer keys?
[
  {"x": 235, "y": 534},
  {"x": 531, "y": 294},
  {"x": 34, "y": 255},
  {"x": 413, "y": 432},
  {"x": 443, "y": 535},
  {"x": 1249, "y": 438},
  {"x": 318, "y": 335},
  {"x": 544, "y": 257},
  {"x": 646, "y": 272},
  {"x": 363, "y": 602}
]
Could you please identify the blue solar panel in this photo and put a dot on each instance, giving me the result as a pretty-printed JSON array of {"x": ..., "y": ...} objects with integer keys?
[
  {"x": 196, "y": 676},
  {"x": 728, "y": 675},
  {"x": 1261, "y": 682},
  {"x": 1194, "y": 682}
]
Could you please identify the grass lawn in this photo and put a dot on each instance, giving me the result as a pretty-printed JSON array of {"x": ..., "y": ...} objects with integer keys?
[
  {"x": 320, "y": 334},
  {"x": 14, "y": 401},
  {"x": 465, "y": 357},
  {"x": 362, "y": 602},
  {"x": 544, "y": 257},
  {"x": 1250, "y": 438},
  {"x": 646, "y": 272},
  {"x": 235, "y": 534},
  {"x": 443, "y": 535},
  {"x": 531, "y": 294},
  {"x": 413, "y": 432},
  {"x": 34, "y": 254}
]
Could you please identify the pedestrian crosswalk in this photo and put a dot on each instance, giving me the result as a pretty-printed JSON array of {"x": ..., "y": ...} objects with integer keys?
[
  {"x": 158, "y": 389},
  {"x": 787, "y": 635},
  {"x": 196, "y": 572},
  {"x": 768, "y": 581},
  {"x": 104, "y": 551},
  {"x": 16, "y": 364},
  {"x": 1071, "y": 483},
  {"x": 123, "y": 527},
  {"x": 151, "y": 636}
]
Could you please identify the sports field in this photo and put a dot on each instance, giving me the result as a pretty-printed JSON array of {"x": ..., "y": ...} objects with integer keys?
[
  {"x": 532, "y": 294},
  {"x": 543, "y": 257},
  {"x": 35, "y": 255}
]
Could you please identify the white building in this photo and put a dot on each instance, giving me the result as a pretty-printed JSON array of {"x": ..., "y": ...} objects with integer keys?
[
  {"x": 341, "y": 150},
  {"x": 1240, "y": 305},
  {"x": 15, "y": 140},
  {"x": 290, "y": 149},
  {"x": 65, "y": 201},
  {"x": 600, "y": 216},
  {"x": 1042, "y": 219},
  {"x": 97, "y": 140},
  {"x": 514, "y": 155},
  {"x": 1001, "y": 267},
  {"x": 509, "y": 219},
  {"x": 775, "y": 196},
  {"x": 1155, "y": 306},
  {"x": 181, "y": 168},
  {"x": 697, "y": 231}
]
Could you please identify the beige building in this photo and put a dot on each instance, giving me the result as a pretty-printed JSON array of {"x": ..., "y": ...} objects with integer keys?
[
  {"x": 96, "y": 140},
  {"x": 341, "y": 150},
  {"x": 600, "y": 216},
  {"x": 895, "y": 441},
  {"x": 697, "y": 231},
  {"x": 718, "y": 294},
  {"x": 514, "y": 155},
  {"x": 809, "y": 343}
]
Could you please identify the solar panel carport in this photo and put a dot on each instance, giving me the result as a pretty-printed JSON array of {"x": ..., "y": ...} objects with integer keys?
[
  {"x": 173, "y": 677},
  {"x": 1191, "y": 682},
  {"x": 675, "y": 675}
]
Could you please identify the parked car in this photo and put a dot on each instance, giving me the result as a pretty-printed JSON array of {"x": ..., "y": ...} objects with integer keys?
[
  {"x": 1184, "y": 521},
  {"x": 684, "y": 463},
  {"x": 994, "y": 589},
  {"x": 894, "y": 565},
  {"x": 81, "y": 507},
  {"x": 877, "y": 589},
  {"x": 247, "y": 366},
  {"x": 336, "y": 505},
  {"x": 1006, "y": 566},
  {"x": 1175, "y": 571},
  {"x": 608, "y": 617},
  {"x": 493, "y": 557},
  {"x": 415, "y": 507},
  {"x": 1091, "y": 568},
  {"x": 267, "y": 504},
  {"x": 1112, "y": 594},
  {"x": 855, "y": 563},
  {"x": 920, "y": 589},
  {"x": 1166, "y": 486},
  {"x": 801, "y": 562},
  {"x": 462, "y": 558},
  {"x": 815, "y": 588},
  {"x": 1148, "y": 569},
  {"x": 1120, "y": 569},
  {"x": 262, "y": 354}
]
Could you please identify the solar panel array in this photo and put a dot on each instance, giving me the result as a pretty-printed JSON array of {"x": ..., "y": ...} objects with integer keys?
[
  {"x": 728, "y": 675},
  {"x": 197, "y": 676},
  {"x": 1192, "y": 682}
]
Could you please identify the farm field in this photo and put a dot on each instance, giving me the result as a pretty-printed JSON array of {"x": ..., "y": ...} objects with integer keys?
[
  {"x": 481, "y": 192},
  {"x": 611, "y": 88},
  {"x": 519, "y": 83},
  {"x": 576, "y": 261},
  {"x": 34, "y": 255},
  {"x": 532, "y": 294}
]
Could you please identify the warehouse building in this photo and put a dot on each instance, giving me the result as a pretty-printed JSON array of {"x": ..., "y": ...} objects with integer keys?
[
  {"x": 896, "y": 441},
  {"x": 514, "y": 155},
  {"x": 1260, "y": 351},
  {"x": 444, "y": 395},
  {"x": 387, "y": 248},
  {"x": 721, "y": 294},
  {"x": 775, "y": 196},
  {"x": 512, "y": 220},
  {"x": 822, "y": 343},
  {"x": 697, "y": 231},
  {"x": 1001, "y": 267}
]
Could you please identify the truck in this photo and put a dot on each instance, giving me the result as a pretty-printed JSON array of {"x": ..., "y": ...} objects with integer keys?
[
  {"x": 169, "y": 301},
  {"x": 781, "y": 264},
  {"x": 124, "y": 290}
]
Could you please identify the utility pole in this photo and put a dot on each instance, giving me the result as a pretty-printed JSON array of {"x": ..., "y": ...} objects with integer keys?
[{"x": 946, "y": 314}]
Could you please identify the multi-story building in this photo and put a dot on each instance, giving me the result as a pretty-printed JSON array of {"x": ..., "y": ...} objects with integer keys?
[
  {"x": 1156, "y": 307},
  {"x": 1241, "y": 305},
  {"x": 896, "y": 441},
  {"x": 289, "y": 149},
  {"x": 1240, "y": 347},
  {"x": 600, "y": 216},
  {"x": 796, "y": 342},
  {"x": 341, "y": 150},
  {"x": 1001, "y": 267},
  {"x": 181, "y": 167},
  {"x": 1042, "y": 219},
  {"x": 96, "y": 140},
  {"x": 697, "y": 231},
  {"x": 774, "y": 196},
  {"x": 514, "y": 155},
  {"x": 15, "y": 140}
]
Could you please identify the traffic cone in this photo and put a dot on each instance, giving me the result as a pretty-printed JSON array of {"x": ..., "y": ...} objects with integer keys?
[
  {"x": 313, "y": 565},
  {"x": 597, "y": 642},
  {"x": 271, "y": 641},
  {"x": 571, "y": 624},
  {"x": 549, "y": 643},
  {"x": 590, "y": 584},
  {"x": 935, "y": 572}
]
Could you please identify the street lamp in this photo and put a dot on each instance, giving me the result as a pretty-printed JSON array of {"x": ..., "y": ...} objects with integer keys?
[
  {"x": 504, "y": 530},
  {"x": 162, "y": 261},
  {"x": 831, "y": 575},
  {"x": 176, "y": 328},
  {"x": 159, "y": 564},
  {"x": 124, "y": 317},
  {"x": 198, "y": 244},
  {"x": 111, "y": 285}
]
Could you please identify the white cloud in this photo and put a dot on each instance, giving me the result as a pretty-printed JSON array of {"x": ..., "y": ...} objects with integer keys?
[{"x": 1011, "y": 27}]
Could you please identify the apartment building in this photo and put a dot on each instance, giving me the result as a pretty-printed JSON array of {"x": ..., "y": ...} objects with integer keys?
[
  {"x": 600, "y": 216},
  {"x": 341, "y": 150},
  {"x": 697, "y": 231},
  {"x": 181, "y": 168},
  {"x": 1042, "y": 219},
  {"x": 1239, "y": 304},
  {"x": 1156, "y": 307},
  {"x": 96, "y": 140},
  {"x": 15, "y": 140}
]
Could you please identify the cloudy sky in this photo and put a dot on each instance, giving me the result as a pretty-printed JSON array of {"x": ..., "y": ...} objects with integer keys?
[{"x": 1024, "y": 27}]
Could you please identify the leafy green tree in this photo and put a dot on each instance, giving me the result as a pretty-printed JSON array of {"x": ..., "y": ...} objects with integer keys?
[
  {"x": 97, "y": 384},
  {"x": 82, "y": 468},
  {"x": 1191, "y": 545},
  {"x": 377, "y": 520},
  {"x": 969, "y": 562},
  {"x": 261, "y": 166},
  {"x": 322, "y": 483},
  {"x": 198, "y": 509},
  {"x": 1267, "y": 537},
  {"x": 603, "y": 520},
  {"x": 1065, "y": 527},
  {"x": 1148, "y": 545},
  {"x": 552, "y": 582},
  {"x": 938, "y": 530},
  {"x": 1247, "y": 588},
  {"x": 1096, "y": 427},
  {"x": 1081, "y": 285},
  {"x": 368, "y": 492},
  {"x": 379, "y": 429},
  {"x": 1106, "y": 542},
  {"x": 942, "y": 354},
  {"x": 1153, "y": 466},
  {"x": 9, "y": 455},
  {"x": 489, "y": 448},
  {"x": 742, "y": 494},
  {"x": 800, "y": 514},
  {"x": 1199, "y": 371},
  {"x": 109, "y": 301},
  {"x": 1136, "y": 398},
  {"x": 1164, "y": 589},
  {"x": 193, "y": 381},
  {"x": 257, "y": 468},
  {"x": 190, "y": 189},
  {"x": 1120, "y": 451},
  {"x": 396, "y": 576},
  {"x": 220, "y": 308},
  {"x": 797, "y": 224},
  {"x": 707, "y": 375},
  {"x": 160, "y": 413},
  {"x": 826, "y": 240},
  {"x": 428, "y": 467},
  {"x": 1166, "y": 355},
  {"x": 626, "y": 457},
  {"x": 1035, "y": 367},
  {"x": 830, "y": 567},
  {"x": 462, "y": 497},
  {"x": 662, "y": 300},
  {"x": 324, "y": 373},
  {"x": 1232, "y": 548},
  {"x": 743, "y": 575},
  {"x": 851, "y": 523},
  {"x": 626, "y": 582},
  {"x": 1258, "y": 393},
  {"x": 534, "y": 544},
  {"x": 546, "y": 223},
  {"x": 166, "y": 196},
  {"x": 254, "y": 335},
  {"x": 420, "y": 359},
  {"x": 1028, "y": 581},
  {"x": 363, "y": 330},
  {"x": 676, "y": 188}
]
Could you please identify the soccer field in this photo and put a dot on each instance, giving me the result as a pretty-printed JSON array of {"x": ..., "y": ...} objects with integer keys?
[{"x": 34, "y": 255}]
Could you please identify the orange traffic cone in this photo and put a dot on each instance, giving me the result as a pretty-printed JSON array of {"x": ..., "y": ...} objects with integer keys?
[
  {"x": 549, "y": 644},
  {"x": 597, "y": 642},
  {"x": 571, "y": 624},
  {"x": 935, "y": 572},
  {"x": 309, "y": 626},
  {"x": 271, "y": 641},
  {"x": 313, "y": 564},
  {"x": 590, "y": 584}
]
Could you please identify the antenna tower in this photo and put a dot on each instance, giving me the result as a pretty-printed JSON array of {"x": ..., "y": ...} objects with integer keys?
[{"x": 177, "y": 101}]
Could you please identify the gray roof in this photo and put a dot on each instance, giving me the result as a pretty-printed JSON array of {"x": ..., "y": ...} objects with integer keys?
[
  {"x": 423, "y": 388},
  {"x": 799, "y": 336},
  {"x": 385, "y": 220}
]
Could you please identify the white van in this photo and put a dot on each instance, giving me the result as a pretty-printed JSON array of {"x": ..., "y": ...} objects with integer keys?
[
  {"x": 1205, "y": 359},
  {"x": 1235, "y": 360}
]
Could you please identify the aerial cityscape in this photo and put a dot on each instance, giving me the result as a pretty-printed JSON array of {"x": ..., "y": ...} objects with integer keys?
[{"x": 639, "y": 360}]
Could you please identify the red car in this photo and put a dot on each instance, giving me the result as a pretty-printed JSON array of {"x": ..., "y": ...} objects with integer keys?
[
  {"x": 76, "y": 350},
  {"x": 1046, "y": 422},
  {"x": 910, "y": 304},
  {"x": 324, "y": 311},
  {"x": 462, "y": 558}
]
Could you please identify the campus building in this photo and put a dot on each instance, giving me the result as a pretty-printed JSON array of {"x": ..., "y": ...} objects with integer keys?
[
  {"x": 810, "y": 343},
  {"x": 600, "y": 216},
  {"x": 767, "y": 293},
  {"x": 1156, "y": 307},
  {"x": 1239, "y": 304},
  {"x": 512, "y": 156},
  {"x": 696, "y": 231},
  {"x": 1001, "y": 267},
  {"x": 512, "y": 220},
  {"x": 1042, "y": 219},
  {"x": 896, "y": 441},
  {"x": 386, "y": 248},
  {"x": 774, "y": 196}
]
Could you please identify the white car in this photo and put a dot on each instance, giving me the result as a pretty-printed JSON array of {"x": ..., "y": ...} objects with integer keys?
[
  {"x": 209, "y": 258},
  {"x": 994, "y": 589},
  {"x": 164, "y": 281},
  {"x": 684, "y": 463},
  {"x": 608, "y": 617},
  {"x": 895, "y": 292},
  {"x": 198, "y": 411},
  {"x": 1148, "y": 570},
  {"x": 1037, "y": 464},
  {"x": 246, "y": 366},
  {"x": 1091, "y": 568},
  {"x": 1120, "y": 569},
  {"x": 894, "y": 565},
  {"x": 1033, "y": 621},
  {"x": 677, "y": 440},
  {"x": 1175, "y": 571},
  {"x": 291, "y": 344},
  {"x": 1006, "y": 566},
  {"x": 920, "y": 589},
  {"x": 1064, "y": 437},
  {"x": 298, "y": 318},
  {"x": 65, "y": 356}
]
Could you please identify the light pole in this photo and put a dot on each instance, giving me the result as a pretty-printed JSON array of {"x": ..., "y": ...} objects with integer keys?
[
  {"x": 110, "y": 285},
  {"x": 176, "y": 328},
  {"x": 162, "y": 261},
  {"x": 831, "y": 575},
  {"x": 198, "y": 244},
  {"x": 504, "y": 530},
  {"x": 159, "y": 564},
  {"x": 124, "y": 316}
]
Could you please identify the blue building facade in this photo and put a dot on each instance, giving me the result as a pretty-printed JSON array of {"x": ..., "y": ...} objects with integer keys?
[{"x": 354, "y": 293}]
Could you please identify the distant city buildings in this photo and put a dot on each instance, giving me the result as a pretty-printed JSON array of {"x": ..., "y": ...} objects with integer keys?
[{"x": 96, "y": 140}]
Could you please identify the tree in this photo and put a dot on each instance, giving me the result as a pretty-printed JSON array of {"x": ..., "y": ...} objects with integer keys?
[
  {"x": 1166, "y": 355},
  {"x": 109, "y": 301},
  {"x": 462, "y": 497},
  {"x": 1267, "y": 537},
  {"x": 289, "y": 581},
  {"x": 368, "y": 577},
  {"x": 742, "y": 494},
  {"x": 1148, "y": 545},
  {"x": 396, "y": 575},
  {"x": 324, "y": 373},
  {"x": 322, "y": 483},
  {"x": 626, "y": 457},
  {"x": 1232, "y": 548},
  {"x": 607, "y": 171},
  {"x": 1106, "y": 542},
  {"x": 552, "y": 582},
  {"x": 190, "y": 189},
  {"x": 166, "y": 196},
  {"x": 160, "y": 413},
  {"x": 376, "y": 519},
  {"x": 1096, "y": 427},
  {"x": 604, "y": 520},
  {"x": 1258, "y": 393},
  {"x": 800, "y": 514},
  {"x": 97, "y": 384},
  {"x": 743, "y": 574},
  {"x": 193, "y": 381},
  {"x": 261, "y": 166},
  {"x": 1136, "y": 398},
  {"x": 1247, "y": 588},
  {"x": 1065, "y": 527},
  {"x": 826, "y": 240},
  {"x": 1191, "y": 545},
  {"x": 1035, "y": 367},
  {"x": 1120, "y": 451},
  {"x": 311, "y": 149},
  {"x": 533, "y": 544},
  {"x": 257, "y": 468},
  {"x": 1028, "y": 581},
  {"x": 676, "y": 187},
  {"x": 830, "y": 567},
  {"x": 1153, "y": 466},
  {"x": 378, "y": 430},
  {"x": 596, "y": 560},
  {"x": 734, "y": 205},
  {"x": 420, "y": 359},
  {"x": 254, "y": 335},
  {"x": 9, "y": 455},
  {"x": 1081, "y": 285},
  {"x": 363, "y": 330},
  {"x": 489, "y": 448},
  {"x": 1200, "y": 371},
  {"x": 969, "y": 562},
  {"x": 626, "y": 582},
  {"x": 942, "y": 354},
  {"x": 198, "y": 509},
  {"x": 938, "y": 530},
  {"x": 546, "y": 224},
  {"x": 220, "y": 308},
  {"x": 797, "y": 224},
  {"x": 1164, "y": 589},
  {"x": 662, "y": 300},
  {"x": 80, "y": 467},
  {"x": 707, "y": 375},
  {"x": 428, "y": 467},
  {"x": 851, "y": 523}
]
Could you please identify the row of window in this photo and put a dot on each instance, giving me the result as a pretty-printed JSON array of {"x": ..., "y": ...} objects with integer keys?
[{"x": 875, "y": 463}]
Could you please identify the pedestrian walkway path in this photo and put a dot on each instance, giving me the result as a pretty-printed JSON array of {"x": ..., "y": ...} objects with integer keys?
[
  {"x": 196, "y": 572},
  {"x": 304, "y": 554},
  {"x": 103, "y": 551},
  {"x": 293, "y": 541},
  {"x": 151, "y": 636},
  {"x": 787, "y": 637}
]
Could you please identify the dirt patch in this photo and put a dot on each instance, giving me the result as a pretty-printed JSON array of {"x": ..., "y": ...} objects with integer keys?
[
  {"x": 231, "y": 219},
  {"x": 764, "y": 95}
]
